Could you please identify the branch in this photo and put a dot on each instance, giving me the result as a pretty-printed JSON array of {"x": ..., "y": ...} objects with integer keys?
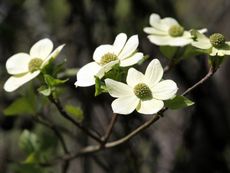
[
  {"x": 61, "y": 110},
  {"x": 109, "y": 129},
  {"x": 95, "y": 148},
  {"x": 55, "y": 130},
  {"x": 59, "y": 136},
  {"x": 205, "y": 78}
]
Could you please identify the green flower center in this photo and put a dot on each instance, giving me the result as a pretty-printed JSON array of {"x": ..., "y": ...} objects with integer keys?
[
  {"x": 142, "y": 91},
  {"x": 35, "y": 64},
  {"x": 176, "y": 31},
  {"x": 217, "y": 40},
  {"x": 109, "y": 57}
]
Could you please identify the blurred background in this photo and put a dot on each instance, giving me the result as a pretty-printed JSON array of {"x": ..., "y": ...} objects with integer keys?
[{"x": 194, "y": 139}]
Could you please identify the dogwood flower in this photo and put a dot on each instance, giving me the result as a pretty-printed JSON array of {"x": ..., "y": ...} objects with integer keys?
[
  {"x": 24, "y": 67},
  {"x": 168, "y": 32},
  {"x": 143, "y": 92},
  {"x": 215, "y": 44},
  {"x": 122, "y": 52}
]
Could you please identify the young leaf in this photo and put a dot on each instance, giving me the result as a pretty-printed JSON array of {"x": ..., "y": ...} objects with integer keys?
[
  {"x": 44, "y": 90},
  {"x": 51, "y": 82},
  {"x": 168, "y": 51},
  {"x": 29, "y": 142},
  {"x": 20, "y": 106},
  {"x": 99, "y": 86},
  {"x": 178, "y": 102},
  {"x": 74, "y": 111}
]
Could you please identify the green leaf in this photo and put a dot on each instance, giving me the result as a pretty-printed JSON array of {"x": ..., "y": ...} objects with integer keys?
[
  {"x": 168, "y": 51},
  {"x": 178, "y": 102},
  {"x": 99, "y": 86},
  {"x": 44, "y": 90},
  {"x": 29, "y": 142},
  {"x": 191, "y": 51},
  {"x": 74, "y": 111},
  {"x": 20, "y": 106},
  {"x": 32, "y": 158},
  {"x": 51, "y": 82}
]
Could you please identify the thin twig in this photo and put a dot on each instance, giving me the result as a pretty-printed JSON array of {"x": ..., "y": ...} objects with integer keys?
[
  {"x": 95, "y": 148},
  {"x": 50, "y": 125},
  {"x": 205, "y": 78},
  {"x": 55, "y": 130},
  {"x": 61, "y": 110},
  {"x": 110, "y": 128}
]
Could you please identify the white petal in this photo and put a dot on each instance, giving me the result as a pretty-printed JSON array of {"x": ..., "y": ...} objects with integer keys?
[
  {"x": 179, "y": 41},
  {"x": 154, "y": 31},
  {"x": 202, "y": 44},
  {"x": 164, "y": 90},
  {"x": 150, "y": 106},
  {"x": 167, "y": 22},
  {"x": 214, "y": 52},
  {"x": 118, "y": 89},
  {"x": 159, "y": 40},
  {"x": 18, "y": 63},
  {"x": 134, "y": 77},
  {"x": 107, "y": 67},
  {"x": 53, "y": 55},
  {"x": 154, "y": 18},
  {"x": 41, "y": 49},
  {"x": 102, "y": 50},
  {"x": 202, "y": 41},
  {"x": 14, "y": 82},
  {"x": 129, "y": 48},
  {"x": 153, "y": 73},
  {"x": 86, "y": 75},
  {"x": 168, "y": 40},
  {"x": 131, "y": 60},
  {"x": 203, "y": 30},
  {"x": 119, "y": 43},
  {"x": 125, "y": 105}
]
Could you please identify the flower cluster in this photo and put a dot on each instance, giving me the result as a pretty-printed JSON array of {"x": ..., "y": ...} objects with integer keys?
[
  {"x": 122, "y": 52},
  {"x": 168, "y": 32},
  {"x": 24, "y": 67},
  {"x": 146, "y": 93}
]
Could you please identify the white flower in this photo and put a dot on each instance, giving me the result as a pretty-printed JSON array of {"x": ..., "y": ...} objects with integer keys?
[
  {"x": 122, "y": 52},
  {"x": 168, "y": 32},
  {"x": 215, "y": 44},
  {"x": 144, "y": 92},
  {"x": 24, "y": 67}
]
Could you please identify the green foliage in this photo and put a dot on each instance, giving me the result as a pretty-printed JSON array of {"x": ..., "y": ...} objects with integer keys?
[
  {"x": 191, "y": 51},
  {"x": 52, "y": 82},
  {"x": 21, "y": 106},
  {"x": 75, "y": 111},
  {"x": 216, "y": 61},
  {"x": 29, "y": 142},
  {"x": 39, "y": 148},
  {"x": 168, "y": 51},
  {"x": 99, "y": 86},
  {"x": 44, "y": 90},
  {"x": 178, "y": 102}
]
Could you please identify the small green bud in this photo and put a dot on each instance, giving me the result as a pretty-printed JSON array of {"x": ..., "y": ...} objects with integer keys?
[
  {"x": 35, "y": 64},
  {"x": 176, "y": 31},
  {"x": 217, "y": 40},
  {"x": 142, "y": 91},
  {"x": 109, "y": 57}
]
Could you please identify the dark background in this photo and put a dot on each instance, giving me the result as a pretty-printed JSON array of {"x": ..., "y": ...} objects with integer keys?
[{"x": 192, "y": 140}]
